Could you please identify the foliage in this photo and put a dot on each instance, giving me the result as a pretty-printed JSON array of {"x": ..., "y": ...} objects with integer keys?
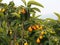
[{"x": 20, "y": 26}]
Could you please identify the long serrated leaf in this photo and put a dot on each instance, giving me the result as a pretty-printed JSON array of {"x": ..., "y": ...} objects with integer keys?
[
  {"x": 1, "y": 15},
  {"x": 11, "y": 3},
  {"x": 4, "y": 24},
  {"x": 1, "y": 29},
  {"x": 57, "y": 14},
  {"x": 24, "y": 1},
  {"x": 15, "y": 14},
  {"x": 34, "y": 3},
  {"x": 31, "y": 10},
  {"x": 37, "y": 16},
  {"x": 36, "y": 9}
]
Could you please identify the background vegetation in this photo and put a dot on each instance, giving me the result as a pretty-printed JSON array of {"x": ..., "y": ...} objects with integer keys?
[{"x": 20, "y": 26}]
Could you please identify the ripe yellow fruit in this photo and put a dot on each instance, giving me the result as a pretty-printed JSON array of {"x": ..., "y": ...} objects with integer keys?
[
  {"x": 34, "y": 27},
  {"x": 3, "y": 10},
  {"x": 0, "y": 9},
  {"x": 23, "y": 11},
  {"x": 30, "y": 29},
  {"x": 10, "y": 32},
  {"x": 41, "y": 28},
  {"x": 56, "y": 39},
  {"x": 37, "y": 26},
  {"x": 38, "y": 40},
  {"x": 26, "y": 43},
  {"x": 16, "y": 43},
  {"x": 41, "y": 37},
  {"x": 42, "y": 33},
  {"x": 45, "y": 32}
]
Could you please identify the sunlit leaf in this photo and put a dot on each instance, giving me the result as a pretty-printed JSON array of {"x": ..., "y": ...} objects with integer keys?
[
  {"x": 24, "y": 1},
  {"x": 4, "y": 24},
  {"x": 58, "y": 15},
  {"x": 1, "y": 15},
  {"x": 1, "y": 29},
  {"x": 34, "y": 3},
  {"x": 15, "y": 14},
  {"x": 36, "y": 9},
  {"x": 11, "y": 3}
]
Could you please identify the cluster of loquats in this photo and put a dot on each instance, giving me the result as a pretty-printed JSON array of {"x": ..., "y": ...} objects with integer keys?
[
  {"x": 37, "y": 27},
  {"x": 34, "y": 27},
  {"x": 40, "y": 37},
  {"x": 23, "y": 11}
]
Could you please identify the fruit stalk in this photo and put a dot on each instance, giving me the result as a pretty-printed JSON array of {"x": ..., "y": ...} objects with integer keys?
[
  {"x": 22, "y": 33},
  {"x": 15, "y": 36}
]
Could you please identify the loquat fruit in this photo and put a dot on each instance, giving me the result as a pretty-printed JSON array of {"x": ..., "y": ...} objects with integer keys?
[
  {"x": 26, "y": 43},
  {"x": 30, "y": 29},
  {"x": 0, "y": 9},
  {"x": 41, "y": 37},
  {"x": 38, "y": 40},
  {"x": 34, "y": 27},
  {"x": 23, "y": 11},
  {"x": 42, "y": 33},
  {"x": 16, "y": 43},
  {"x": 40, "y": 27},
  {"x": 37, "y": 26},
  {"x": 10, "y": 32},
  {"x": 3, "y": 10}
]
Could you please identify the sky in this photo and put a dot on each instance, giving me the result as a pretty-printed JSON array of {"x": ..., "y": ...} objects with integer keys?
[{"x": 50, "y": 6}]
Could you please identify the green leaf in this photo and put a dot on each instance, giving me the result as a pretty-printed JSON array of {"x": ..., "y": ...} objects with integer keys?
[
  {"x": 15, "y": 14},
  {"x": 24, "y": 1},
  {"x": 1, "y": 15},
  {"x": 58, "y": 15},
  {"x": 11, "y": 3},
  {"x": 3, "y": 5},
  {"x": 1, "y": 29},
  {"x": 3, "y": 41},
  {"x": 0, "y": 0},
  {"x": 34, "y": 3},
  {"x": 37, "y": 16},
  {"x": 36, "y": 9},
  {"x": 4, "y": 24},
  {"x": 46, "y": 42},
  {"x": 32, "y": 10}
]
